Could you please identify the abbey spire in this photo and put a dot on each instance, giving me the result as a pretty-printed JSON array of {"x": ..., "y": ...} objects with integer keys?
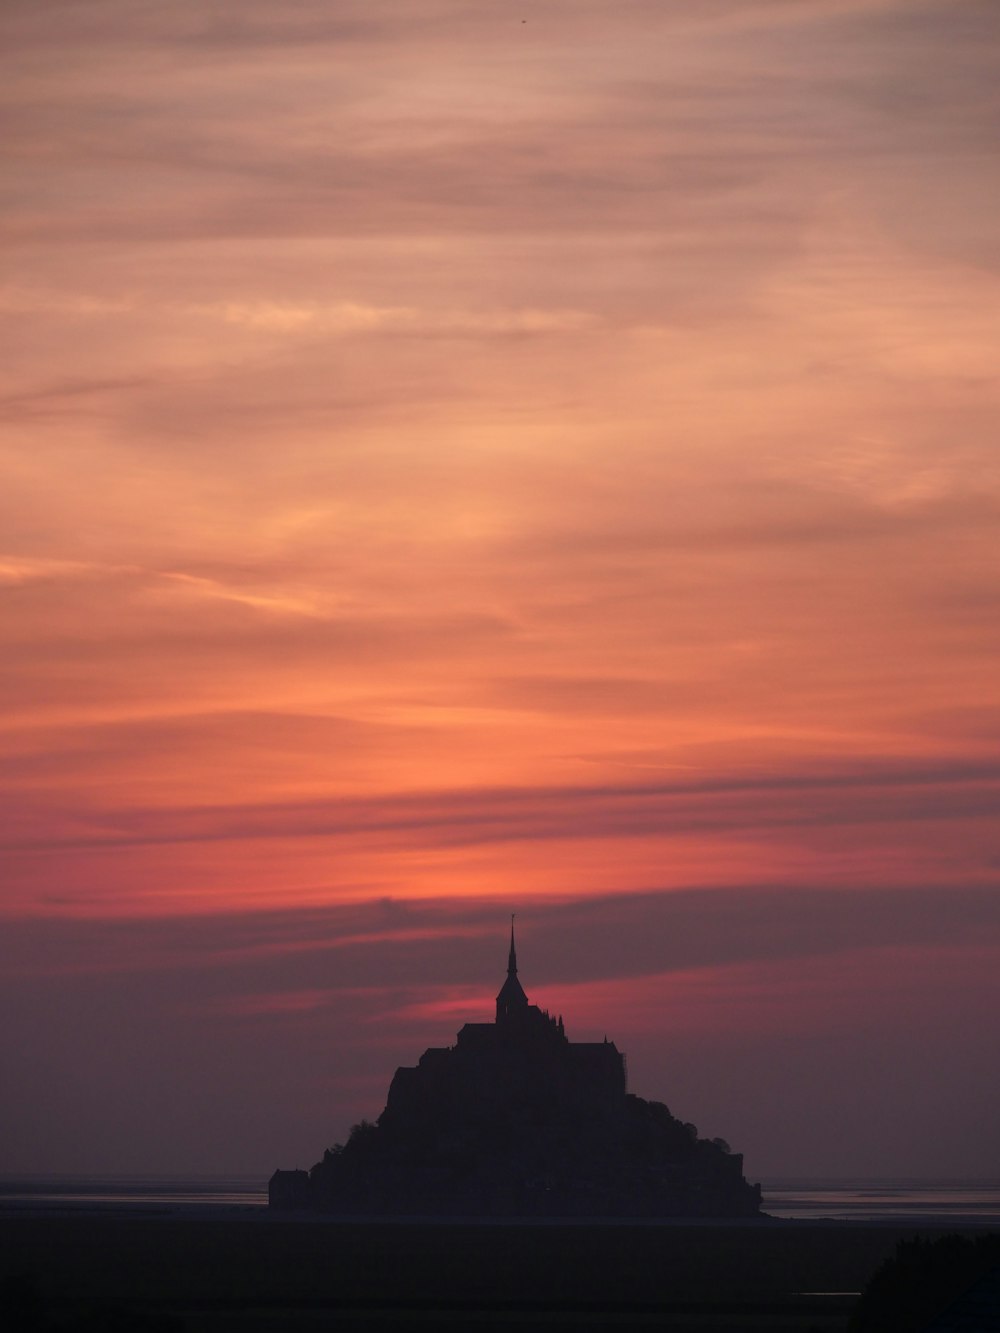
[{"x": 512, "y": 1003}]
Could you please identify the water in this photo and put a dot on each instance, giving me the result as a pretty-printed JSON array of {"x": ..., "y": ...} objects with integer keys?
[
  {"x": 244, "y": 1194},
  {"x": 958, "y": 1202},
  {"x": 928, "y": 1202}
]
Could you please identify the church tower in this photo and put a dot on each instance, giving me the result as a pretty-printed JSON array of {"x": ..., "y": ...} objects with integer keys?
[{"x": 512, "y": 1003}]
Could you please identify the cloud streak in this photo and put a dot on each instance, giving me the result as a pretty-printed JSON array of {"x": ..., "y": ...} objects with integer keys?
[{"x": 940, "y": 792}]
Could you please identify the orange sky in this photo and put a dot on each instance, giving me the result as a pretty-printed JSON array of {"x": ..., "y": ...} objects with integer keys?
[{"x": 455, "y": 464}]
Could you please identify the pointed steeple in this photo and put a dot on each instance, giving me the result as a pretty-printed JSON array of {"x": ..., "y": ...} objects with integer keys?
[{"x": 512, "y": 1001}]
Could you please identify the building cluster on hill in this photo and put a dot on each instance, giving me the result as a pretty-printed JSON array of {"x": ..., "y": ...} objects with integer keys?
[{"x": 515, "y": 1120}]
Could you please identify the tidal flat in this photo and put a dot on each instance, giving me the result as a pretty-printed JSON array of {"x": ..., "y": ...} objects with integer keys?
[{"x": 172, "y": 1274}]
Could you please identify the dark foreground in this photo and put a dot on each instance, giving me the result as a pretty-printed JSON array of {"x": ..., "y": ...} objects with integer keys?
[{"x": 151, "y": 1274}]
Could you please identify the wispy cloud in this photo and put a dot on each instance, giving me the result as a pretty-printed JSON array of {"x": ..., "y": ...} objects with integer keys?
[
  {"x": 438, "y": 947},
  {"x": 348, "y": 318}
]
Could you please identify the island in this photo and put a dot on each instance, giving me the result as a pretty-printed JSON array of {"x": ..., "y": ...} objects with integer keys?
[{"x": 515, "y": 1120}]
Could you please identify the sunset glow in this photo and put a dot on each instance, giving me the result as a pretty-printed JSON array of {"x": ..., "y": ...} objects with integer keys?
[{"x": 456, "y": 465}]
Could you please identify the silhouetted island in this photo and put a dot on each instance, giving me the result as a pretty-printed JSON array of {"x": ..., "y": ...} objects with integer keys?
[{"x": 515, "y": 1120}]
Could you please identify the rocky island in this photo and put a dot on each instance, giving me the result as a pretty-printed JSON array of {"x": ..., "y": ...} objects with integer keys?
[{"x": 516, "y": 1120}]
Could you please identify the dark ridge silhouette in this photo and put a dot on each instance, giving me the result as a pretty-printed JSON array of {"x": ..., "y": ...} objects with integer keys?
[
  {"x": 515, "y": 1120},
  {"x": 941, "y": 1285}
]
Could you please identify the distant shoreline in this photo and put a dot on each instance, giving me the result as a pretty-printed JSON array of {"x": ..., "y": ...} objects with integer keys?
[
  {"x": 14, "y": 1208},
  {"x": 924, "y": 1204}
]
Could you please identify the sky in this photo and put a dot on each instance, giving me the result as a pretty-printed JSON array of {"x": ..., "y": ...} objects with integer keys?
[{"x": 461, "y": 459}]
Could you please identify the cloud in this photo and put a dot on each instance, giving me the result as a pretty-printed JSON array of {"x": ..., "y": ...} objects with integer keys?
[
  {"x": 429, "y": 944},
  {"x": 876, "y": 793},
  {"x": 348, "y": 318}
]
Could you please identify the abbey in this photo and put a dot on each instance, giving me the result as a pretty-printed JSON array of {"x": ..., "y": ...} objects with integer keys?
[{"x": 515, "y": 1120}]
